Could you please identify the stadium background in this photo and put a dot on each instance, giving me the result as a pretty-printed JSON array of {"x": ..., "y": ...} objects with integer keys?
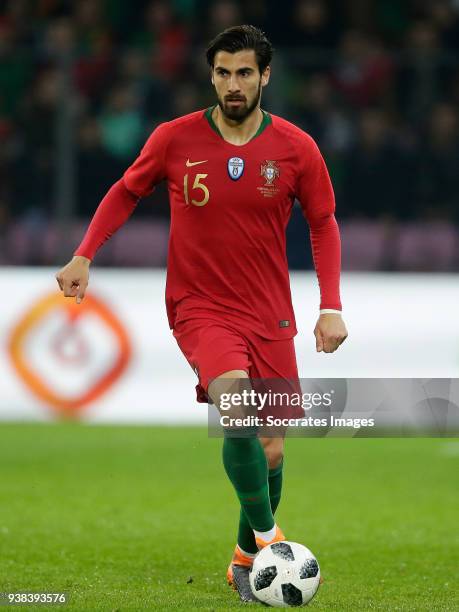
[
  {"x": 375, "y": 82},
  {"x": 82, "y": 84}
]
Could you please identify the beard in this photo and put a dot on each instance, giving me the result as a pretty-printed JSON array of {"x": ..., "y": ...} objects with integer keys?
[{"x": 241, "y": 112}]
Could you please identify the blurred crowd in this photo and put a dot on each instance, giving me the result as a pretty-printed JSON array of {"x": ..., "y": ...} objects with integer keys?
[{"x": 375, "y": 82}]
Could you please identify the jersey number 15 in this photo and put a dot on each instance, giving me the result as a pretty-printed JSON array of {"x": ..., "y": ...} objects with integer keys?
[{"x": 196, "y": 185}]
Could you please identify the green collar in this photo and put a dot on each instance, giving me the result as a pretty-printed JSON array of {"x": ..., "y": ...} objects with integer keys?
[{"x": 265, "y": 122}]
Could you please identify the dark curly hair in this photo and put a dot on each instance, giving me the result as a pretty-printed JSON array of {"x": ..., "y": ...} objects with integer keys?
[{"x": 240, "y": 38}]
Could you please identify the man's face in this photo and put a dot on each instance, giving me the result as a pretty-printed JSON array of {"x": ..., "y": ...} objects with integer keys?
[{"x": 238, "y": 82}]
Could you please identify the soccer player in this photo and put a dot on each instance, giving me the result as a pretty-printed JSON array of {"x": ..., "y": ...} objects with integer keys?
[{"x": 233, "y": 173}]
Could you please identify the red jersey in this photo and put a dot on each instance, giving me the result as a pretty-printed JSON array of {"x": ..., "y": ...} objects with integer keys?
[{"x": 230, "y": 206}]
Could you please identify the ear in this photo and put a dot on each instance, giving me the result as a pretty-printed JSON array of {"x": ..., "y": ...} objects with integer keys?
[
  {"x": 265, "y": 76},
  {"x": 212, "y": 76}
]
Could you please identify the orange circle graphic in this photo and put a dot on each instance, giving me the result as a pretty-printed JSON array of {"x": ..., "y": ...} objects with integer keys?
[{"x": 68, "y": 407}]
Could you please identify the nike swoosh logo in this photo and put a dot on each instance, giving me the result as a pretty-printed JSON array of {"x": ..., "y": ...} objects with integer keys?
[{"x": 189, "y": 164}]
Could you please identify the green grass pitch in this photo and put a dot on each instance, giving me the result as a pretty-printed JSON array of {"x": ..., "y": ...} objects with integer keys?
[{"x": 143, "y": 518}]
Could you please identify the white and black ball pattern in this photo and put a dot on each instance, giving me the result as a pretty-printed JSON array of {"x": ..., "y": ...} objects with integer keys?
[{"x": 285, "y": 574}]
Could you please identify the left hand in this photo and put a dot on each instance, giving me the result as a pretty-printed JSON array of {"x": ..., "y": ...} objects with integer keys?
[{"x": 330, "y": 331}]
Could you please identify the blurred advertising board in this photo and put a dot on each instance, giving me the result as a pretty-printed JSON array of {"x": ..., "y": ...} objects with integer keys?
[{"x": 113, "y": 359}]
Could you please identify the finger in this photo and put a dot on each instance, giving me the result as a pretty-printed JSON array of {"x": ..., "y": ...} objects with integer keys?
[
  {"x": 70, "y": 289},
  {"x": 80, "y": 293},
  {"x": 336, "y": 341},
  {"x": 59, "y": 282},
  {"x": 330, "y": 344},
  {"x": 319, "y": 341},
  {"x": 334, "y": 344}
]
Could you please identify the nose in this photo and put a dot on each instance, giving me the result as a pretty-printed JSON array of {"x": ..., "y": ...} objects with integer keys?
[{"x": 233, "y": 85}]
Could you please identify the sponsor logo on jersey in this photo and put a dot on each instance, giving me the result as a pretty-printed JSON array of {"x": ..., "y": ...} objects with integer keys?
[
  {"x": 270, "y": 171},
  {"x": 235, "y": 168},
  {"x": 189, "y": 163}
]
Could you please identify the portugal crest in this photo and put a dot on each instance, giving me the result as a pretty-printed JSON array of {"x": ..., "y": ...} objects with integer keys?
[
  {"x": 270, "y": 171},
  {"x": 235, "y": 167}
]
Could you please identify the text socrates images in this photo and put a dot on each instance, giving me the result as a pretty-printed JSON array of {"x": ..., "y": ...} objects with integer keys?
[{"x": 357, "y": 407}]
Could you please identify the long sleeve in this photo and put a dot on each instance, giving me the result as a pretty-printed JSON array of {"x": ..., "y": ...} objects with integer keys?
[
  {"x": 326, "y": 252},
  {"x": 315, "y": 193},
  {"x": 113, "y": 211}
]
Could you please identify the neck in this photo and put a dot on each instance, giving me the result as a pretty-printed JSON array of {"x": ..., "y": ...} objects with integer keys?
[{"x": 235, "y": 132}]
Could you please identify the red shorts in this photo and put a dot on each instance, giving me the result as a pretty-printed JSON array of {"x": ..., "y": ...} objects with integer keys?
[{"x": 212, "y": 348}]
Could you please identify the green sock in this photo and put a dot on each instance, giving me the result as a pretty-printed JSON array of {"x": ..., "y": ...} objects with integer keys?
[
  {"x": 245, "y": 463},
  {"x": 245, "y": 537},
  {"x": 275, "y": 485}
]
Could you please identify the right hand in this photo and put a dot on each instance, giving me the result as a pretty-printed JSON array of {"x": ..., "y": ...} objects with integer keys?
[{"x": 74, "y": 277}]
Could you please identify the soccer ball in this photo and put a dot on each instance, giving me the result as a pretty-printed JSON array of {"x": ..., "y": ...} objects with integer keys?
[{"x": 285, "y": 574}]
